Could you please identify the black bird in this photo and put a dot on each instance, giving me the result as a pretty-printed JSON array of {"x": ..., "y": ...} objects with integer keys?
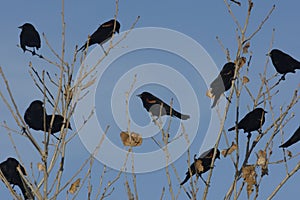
[
  {"x": 29, "y": 37},
  {"x": 58, "y": 122},
  {"x": 34, "y": 115},
  {"x": 10, "y": 172},
  {"x": 103, "y": 33},
  {"x": 283, "y": 62},
  {"x": 153, "y": 104},
  {"x": 252, "y": 121},
  {"x": 223, "y": 82},
  {"x": 295, "y": 138},
  {"x": 201, "y": 165},
  {"x": 34, "y": 118}
]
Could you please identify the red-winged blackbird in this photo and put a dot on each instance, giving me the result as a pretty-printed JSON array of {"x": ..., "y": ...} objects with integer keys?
[
  {"x": 201, "y": 165},
  {"x": 223, "y": 82},
  {"x": 252, "y": 121},
  {"x": 103, "y": 33},
  {"x": 159, "y": 108},
  {"x": 10, "y": 172},
  {"x": 283, "y": 62},
  {"x": 34, "y": 118},
  {"x": 29, "y": 37},
  {"x": 295, "y": 138}
]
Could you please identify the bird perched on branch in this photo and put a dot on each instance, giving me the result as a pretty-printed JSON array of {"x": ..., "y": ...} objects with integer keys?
[
  {"x": 222, "y": 83},
  {"x": 12, "y": 175},
  {"x": 295, "y": 138},
  {"x": 159, "y": 108},
  {"x": 283, "y": 62},
  {"x": 201, "y": 165},
  {"x": 58, "y": 122},
  {"x": 29, "y": 37},
  {"x": 253, "y": 121},
  {"x": 102, "y": 34},
  {"x": 36, "y": 113}
]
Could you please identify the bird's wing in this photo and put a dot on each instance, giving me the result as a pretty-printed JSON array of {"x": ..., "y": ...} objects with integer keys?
[{"x": 206, "y": 154}]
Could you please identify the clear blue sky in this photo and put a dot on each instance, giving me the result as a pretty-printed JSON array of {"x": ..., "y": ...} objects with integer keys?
[{"x": 200, "y": 20}]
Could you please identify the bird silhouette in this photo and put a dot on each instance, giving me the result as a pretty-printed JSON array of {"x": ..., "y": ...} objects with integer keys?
[
  {"x": 10, "y": 172},
  {"x": 34, "y": 115},
  {"x": 34, "y": 118},
  {"x": 58, "y": 122},
  {"x": 283, "y": 62},
  {"x": 253, "y": 121},
  {"x": 102, "y": 34},
  {"x": 223, "y": 82},
  {"x": 29, "y": 37},
  {"x": 295, "y": 138},
  {"x": 201, "y": 165},
  {"x": 153, "y": 104}
]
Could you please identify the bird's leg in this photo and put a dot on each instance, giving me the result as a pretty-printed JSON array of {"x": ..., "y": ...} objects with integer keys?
[
  {"x": 259, "y": 131},
  {"x": 103, "y": 50},
  {"x": 188, "y": 195},
  {"x": 204, "y": 180},
  {"x": 56, "y": 137},
  {"x": 282, "y": 78},
  {"x": 227, "y": 98},
  {"x": 248, "y": 144},
  {"x": 23, "y": 130},
  {"x": 33, "y": 52},
  {"x": 249, "y": 136}
]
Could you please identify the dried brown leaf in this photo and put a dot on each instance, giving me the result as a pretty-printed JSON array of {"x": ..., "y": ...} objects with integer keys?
[
  {"x": 241, "y": 62},
  {"x": 261, "y": 158},
  {"x": 246, "y": 47},
  {"x": 249, "y": 189},
  {"x": 262, "y": 162},
  {"x": 74, "y": 186},
  {"x": 249, "y": 176},
  {"x": 133, "y": 141},
  {"x": 245, "y": 80},
  {"x": 229, "y": 151},
  {"x": 40, "y": 167}
]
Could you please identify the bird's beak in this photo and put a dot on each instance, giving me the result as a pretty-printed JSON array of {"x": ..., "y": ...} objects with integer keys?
[
  {"x": 20, "y": 27},
  {"x": 268, "y": 54},
  {"x": 139, "y": 95},
  {"x": 265, "y": 111}
]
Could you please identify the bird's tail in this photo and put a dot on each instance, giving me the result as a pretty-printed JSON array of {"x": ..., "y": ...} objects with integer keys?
[
  {"x": 286, "y": 144},
  {"x": 82, "y": 48},
  {"x": 26, "y": 191},
  {"x": 185, "y": 180},
  {"x": 298, "y": 65},
  {"x": 180, "y": 116},
  {"x": 231, "y": 129}
]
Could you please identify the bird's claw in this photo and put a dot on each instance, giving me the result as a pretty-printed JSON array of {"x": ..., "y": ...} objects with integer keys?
[{"x": 23, "y": 130}]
